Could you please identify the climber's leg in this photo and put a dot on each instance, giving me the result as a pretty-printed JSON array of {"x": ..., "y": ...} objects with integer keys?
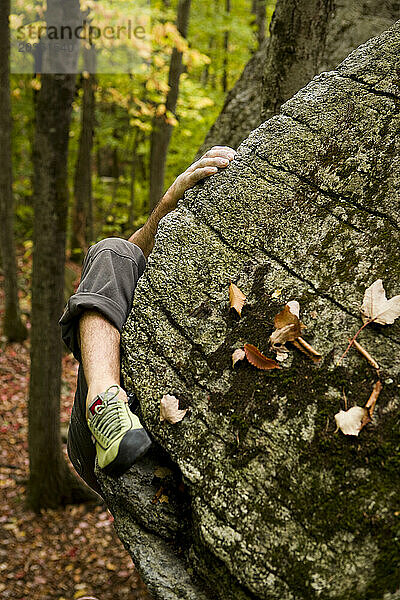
[{"x": 96, "y": 314}]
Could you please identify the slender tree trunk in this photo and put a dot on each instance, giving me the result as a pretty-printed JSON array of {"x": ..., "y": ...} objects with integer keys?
[
  {"x": 13, "y": 328},
  {"x": 82, "y": 221},
  {"x": 206, "y": 71},
  {"x": 50, "y": 481},
  {"x": 259, "y": 10},
  {"x": 162, "y": 130},
  {"x": 298, "y": 33},
  {"x": 133, "y": 178},
  {"x": 226, "y": 49}
]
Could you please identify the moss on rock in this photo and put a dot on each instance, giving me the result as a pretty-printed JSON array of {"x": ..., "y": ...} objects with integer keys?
[{"x": 281, "y": 506}]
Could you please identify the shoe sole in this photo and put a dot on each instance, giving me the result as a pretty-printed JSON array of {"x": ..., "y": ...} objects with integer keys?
[{"x": 129, "y": 452}]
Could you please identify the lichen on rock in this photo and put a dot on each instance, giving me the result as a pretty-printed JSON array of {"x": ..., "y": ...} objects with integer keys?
[{"x": 276, "y": 504}]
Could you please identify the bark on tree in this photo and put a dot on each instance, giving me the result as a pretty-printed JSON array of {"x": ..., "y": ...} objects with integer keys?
[
  {"x": 259, "y": 10},
  {"x": 275, "y": 504},
  {"x": 298, "y": 31},
  {"x": 51, "y": 482},
  {"x": 162, "y": 130},
  {"x": 13, "y": 328},
  {"x": 226, "y": 50},
  {"x": 352, "y": 23},
  {"x": 82, "y": 216},
  {"x": 132, "y": 183}
]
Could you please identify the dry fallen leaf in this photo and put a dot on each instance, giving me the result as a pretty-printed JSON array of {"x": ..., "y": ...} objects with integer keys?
[
  {"x": 170, "y": 411},
  {"x": 257, "y": 359},
  {"x": 236, "y": 298},
  {"x": 239, "y": 354},
  {"x": 157, "y": 495},
  {"x": 353, "y": 420},
  {"x": 376, "y": 307},
  {"x": 370, "y": 406},
  {"x": 350, "y": 421},
  {"x": 278, "y": 340},
  {"x": 288, "y": 329},
  {"x": 287, "y": 317},
  {"x": 294, "y": 308}
]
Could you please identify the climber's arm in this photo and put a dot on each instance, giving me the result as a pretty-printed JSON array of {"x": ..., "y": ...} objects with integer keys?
[{"x": 218, "y": 157}]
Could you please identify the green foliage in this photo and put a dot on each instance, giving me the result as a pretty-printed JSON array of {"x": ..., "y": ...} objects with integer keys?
[{"x": 127, "y": 103}]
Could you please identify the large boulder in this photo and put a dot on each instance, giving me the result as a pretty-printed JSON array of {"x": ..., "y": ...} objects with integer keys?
[{"x": 275, "y": 504}]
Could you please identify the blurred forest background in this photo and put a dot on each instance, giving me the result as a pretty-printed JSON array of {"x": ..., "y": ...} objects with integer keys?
[{"x": 221, "y": 37}]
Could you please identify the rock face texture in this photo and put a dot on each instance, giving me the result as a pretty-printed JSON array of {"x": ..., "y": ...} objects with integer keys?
[{"x": 275, "y": 504}]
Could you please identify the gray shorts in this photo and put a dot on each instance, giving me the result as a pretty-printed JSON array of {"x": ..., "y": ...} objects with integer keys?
[{"x": 110, "y": 273}]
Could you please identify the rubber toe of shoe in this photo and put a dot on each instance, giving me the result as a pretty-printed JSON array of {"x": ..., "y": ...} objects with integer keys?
[{"x": 133, "y": 445}]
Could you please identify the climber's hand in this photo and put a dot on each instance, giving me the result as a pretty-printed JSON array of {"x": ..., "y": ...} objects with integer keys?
[{"x": 218, "y": 157}]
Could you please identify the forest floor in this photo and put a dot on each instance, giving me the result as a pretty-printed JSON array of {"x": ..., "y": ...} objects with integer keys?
[{"x": 62, "y": 554}]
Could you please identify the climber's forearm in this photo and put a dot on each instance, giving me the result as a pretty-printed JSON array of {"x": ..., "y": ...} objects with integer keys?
[{"x": 144, "y": 237}]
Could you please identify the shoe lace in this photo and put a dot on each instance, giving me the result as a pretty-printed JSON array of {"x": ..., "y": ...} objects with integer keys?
[{"x": 110, "y": 426}]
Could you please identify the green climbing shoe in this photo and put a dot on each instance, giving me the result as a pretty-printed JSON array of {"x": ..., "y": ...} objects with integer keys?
[{"x": 118, "y": 434}]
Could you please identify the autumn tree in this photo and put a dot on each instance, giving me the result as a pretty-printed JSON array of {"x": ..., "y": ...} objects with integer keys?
[
  {"x": 13, "y": 328},
  {"x": 82, "y": 215},
  {"x": 162, "y": 127},
  {"x": 50, "y": 481}
]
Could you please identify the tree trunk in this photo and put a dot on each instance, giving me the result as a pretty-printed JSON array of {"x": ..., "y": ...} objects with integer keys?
[
  {"x": 13, "y": 328},
  {"x": 298, "y": 32},
  {"x": 162, "y": 130},
  {"x": 275, "y": 504},
  {"x": 50, "y": 482},
  {"x": 82, "y": 221},
  {"x": 226, "y": 49},
  {"x": 351, "y": 24},
  {"x": 259, "y": 10},
  {"x": 132, "y": 182}
]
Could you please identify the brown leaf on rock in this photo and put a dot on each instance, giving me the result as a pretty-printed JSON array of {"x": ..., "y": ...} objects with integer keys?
[
  {"x": 236, "y": 298},
  {"x": 278, "y": 339},
  {"x": 170, "y": 411},
  {"x": 288, "y": 328},
  {"x": 376, "y": 307},
  {"x": 238, "y": 355},
  {"x": 257, "y": 359},
  {"x": 370, "y": 405},
  {"x": 287, "y": 317},
  {"x": 281, "y": 336}
]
